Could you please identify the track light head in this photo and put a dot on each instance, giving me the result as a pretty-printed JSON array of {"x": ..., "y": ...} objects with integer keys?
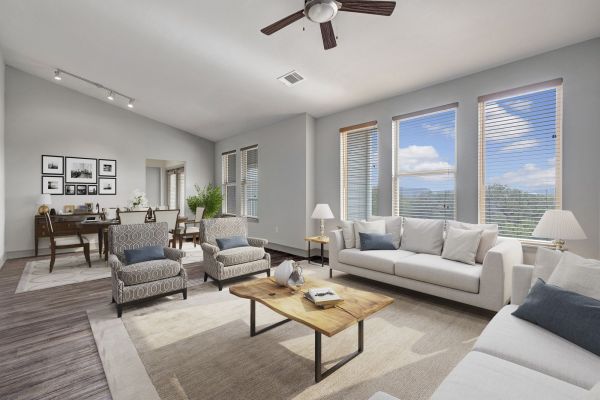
[
  {"x": 130, "y": 104},
  {"x": 57, "y": 76},
  {"x": 110, "y": 96}
]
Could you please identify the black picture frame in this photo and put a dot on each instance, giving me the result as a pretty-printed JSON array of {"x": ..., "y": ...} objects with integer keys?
[
  {"x": 91, "y": 162},
  {"x": 57, "y": 168},
  {"x": 81, "y": 190},
  {"x": 70, "y": 190},
  {"x": 103, "y": 164},
  {"x": 57, "y": 188},
  {"x": 103, "y": 191},
  {"x": 92, "y": 190}
]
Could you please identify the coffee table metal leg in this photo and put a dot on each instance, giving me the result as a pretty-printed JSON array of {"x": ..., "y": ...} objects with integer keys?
[
  {"x": 253, "y": 331},
  {"x": 309, "y": 251},
  {"x": 320, "y": 374},
  {"x": 322, "y": 259}
]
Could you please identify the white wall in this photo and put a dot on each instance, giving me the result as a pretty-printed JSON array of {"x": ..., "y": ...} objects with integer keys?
[
  {"x": 45, "y": 118},
  {"x": 579, "y": 65},
  {"x": 2, "y": 167},
  {"x": 285, "y": 179}
]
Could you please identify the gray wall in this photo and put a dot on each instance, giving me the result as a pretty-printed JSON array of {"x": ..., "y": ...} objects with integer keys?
[
  {"x": 153, "y": 185},
  {"x": 2, "y": 168},
  {"x": 579, "y": 65},
  {"x": 285, "y": 179},
  {"x": 46, "y": 118}
]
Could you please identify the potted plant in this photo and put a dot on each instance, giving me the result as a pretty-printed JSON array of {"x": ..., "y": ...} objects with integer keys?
[{"x": 209, "y": 197}]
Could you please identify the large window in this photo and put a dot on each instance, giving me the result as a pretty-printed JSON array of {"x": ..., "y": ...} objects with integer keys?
[
  {"x": 250, "y": 181},
  {"x": 176, "y": 189},
  {"x": 359, "y": 166},
  {"x": 520, "y": 157},
  {"x": 425, "y": 163},
  {"x": 229, "y": 181}
]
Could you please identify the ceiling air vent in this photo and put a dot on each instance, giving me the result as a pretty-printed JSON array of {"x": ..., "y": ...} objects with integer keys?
[{"x": 291, "y": 78}]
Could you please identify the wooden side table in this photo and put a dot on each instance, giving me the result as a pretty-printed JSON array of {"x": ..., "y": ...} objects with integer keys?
[{"x": 322, "y": 240}]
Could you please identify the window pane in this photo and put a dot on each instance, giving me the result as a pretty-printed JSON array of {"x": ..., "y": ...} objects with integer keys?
[
  {"x": 521, "y": 160},
  {"x": 429, "y": 196},
  {"x": 228, "y": 161},
  {"x": 250, "y": 182}
]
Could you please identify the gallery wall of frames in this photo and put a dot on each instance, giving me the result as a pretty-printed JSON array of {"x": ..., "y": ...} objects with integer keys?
[{"x": 62, "y": 175}]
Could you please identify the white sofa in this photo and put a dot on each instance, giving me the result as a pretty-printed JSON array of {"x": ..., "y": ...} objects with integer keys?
[{"x": 486, "y": 285}]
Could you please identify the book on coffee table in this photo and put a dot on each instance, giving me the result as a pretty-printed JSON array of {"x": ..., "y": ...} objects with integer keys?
[{"x": 324, "y": 297}]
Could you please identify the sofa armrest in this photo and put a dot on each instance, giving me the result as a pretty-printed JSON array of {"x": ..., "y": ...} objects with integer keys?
[
  {"x": 336, "y": 244},
  {"x": 522, "y": 275},
  {"x": 174, "y": 254},
  {"x": 257, "y": 242},
  {"x": 114, "y": 262},
  {"x": 209, "y": 249},
  {"x": 496, "y": 276}
]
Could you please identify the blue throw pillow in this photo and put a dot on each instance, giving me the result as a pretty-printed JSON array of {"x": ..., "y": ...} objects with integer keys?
[
  {"x": 375, "y": 241},
  {"x": 232, "y": 242},
  {"x": 143, "y": 254},
  {"x": 566, "y": 314}
]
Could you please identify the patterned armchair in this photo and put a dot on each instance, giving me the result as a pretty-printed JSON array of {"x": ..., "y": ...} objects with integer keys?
[
  {"x": 146, "y": 280},
  {"x": 222, "y": 265}
]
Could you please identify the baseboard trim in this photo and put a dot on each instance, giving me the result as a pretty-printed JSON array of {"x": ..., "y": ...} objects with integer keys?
[{"x": 3, "y": 259}]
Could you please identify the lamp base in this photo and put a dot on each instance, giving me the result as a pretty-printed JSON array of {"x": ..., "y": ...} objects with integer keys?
[
  {"x": 43, "y": 209},
  {"x": 322, "y": 232},
  {"x": 559, "y": 245}
]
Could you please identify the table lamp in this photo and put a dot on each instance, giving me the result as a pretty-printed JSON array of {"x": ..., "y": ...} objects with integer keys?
[
  {"x": 559, "y": 225},
  {"x": 43, "y": 202},
  {"x": 322, "y": 212}
]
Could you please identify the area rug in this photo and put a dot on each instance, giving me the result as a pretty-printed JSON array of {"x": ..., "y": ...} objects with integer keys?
[{"x": 201, "y": 349}]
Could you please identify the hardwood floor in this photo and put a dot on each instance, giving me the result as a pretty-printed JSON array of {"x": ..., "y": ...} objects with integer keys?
[{"x": 47, "y": 350}]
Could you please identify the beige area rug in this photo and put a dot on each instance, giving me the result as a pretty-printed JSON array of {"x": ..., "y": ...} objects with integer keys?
[
  {"x": 74, "y": 269},
  {"x": 201, "y": 348}
]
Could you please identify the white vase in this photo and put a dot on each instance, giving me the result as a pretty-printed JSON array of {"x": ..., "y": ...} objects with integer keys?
[{"x": 283, "y": 272}]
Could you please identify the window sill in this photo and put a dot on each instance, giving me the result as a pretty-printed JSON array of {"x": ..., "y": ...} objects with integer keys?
[{"x": 252, "y": 219}]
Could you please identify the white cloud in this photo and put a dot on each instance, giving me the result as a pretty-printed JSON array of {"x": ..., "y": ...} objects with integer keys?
[
  {"x": 520, "y": 145},
  {"x": 443, "y": 129},
  {"x": 420, "y": 158},
  {"x": 496, "y": 128},
  {"x": 520, "y": 105},
  {"x": 529, "y": 175}
]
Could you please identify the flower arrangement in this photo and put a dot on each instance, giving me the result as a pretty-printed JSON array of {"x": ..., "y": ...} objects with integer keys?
[{"x": 139, "y": 199}]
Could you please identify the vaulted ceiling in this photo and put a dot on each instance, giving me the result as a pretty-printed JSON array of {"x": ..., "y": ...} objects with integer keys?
[{"x": 204, "y": 67}]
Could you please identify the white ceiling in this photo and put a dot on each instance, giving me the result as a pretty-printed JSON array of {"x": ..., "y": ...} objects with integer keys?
[{"x": 204, "y": 67}]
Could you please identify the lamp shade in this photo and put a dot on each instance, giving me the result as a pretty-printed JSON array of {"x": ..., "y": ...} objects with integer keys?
[
  {"x": 559, "y": 224},
  {"x": 44, "y": 200},
  {"x": 322, "y": 211}
]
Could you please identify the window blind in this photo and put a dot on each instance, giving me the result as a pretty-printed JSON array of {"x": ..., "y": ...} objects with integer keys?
[
  {"x": 520, "y": 151},
  {"x": 425, "y": 163},
  {"x": 176, "y": 188},
  {"x": 250, "y": 181},
  {"x": 228, "y": 176},
  {"x": 359, "y": 166}
]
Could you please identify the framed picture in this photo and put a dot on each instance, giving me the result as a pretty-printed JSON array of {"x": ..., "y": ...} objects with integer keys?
[
  {"x": 107, "y": 167},
  {"x": 81, "y": 190},
  {"x": 81, "y": 170},
  {"x": 92, "y": 190},
  {"x": 53, "y": 184},
  {"x": 70, "y": 190},
  {"x": 53, "y": 165},
  {"x": 107, "y": 186}
]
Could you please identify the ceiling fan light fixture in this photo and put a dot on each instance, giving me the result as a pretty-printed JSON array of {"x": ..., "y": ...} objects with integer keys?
[
  {"x": 110, "y": 96},
  {"x": 57, "y": 76},
  {"x": 321, "y": 11}
]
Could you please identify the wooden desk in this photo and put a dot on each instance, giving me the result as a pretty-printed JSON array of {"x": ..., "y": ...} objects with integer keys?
[
  {"x": 322, "y": 240},
  {"x": 64, "y": 225}
]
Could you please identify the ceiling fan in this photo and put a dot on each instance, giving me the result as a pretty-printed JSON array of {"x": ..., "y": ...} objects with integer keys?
[{"x": 323, "y": 11}]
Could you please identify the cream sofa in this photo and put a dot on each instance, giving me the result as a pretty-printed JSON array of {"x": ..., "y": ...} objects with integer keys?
[{"x": 486, "y": 285}]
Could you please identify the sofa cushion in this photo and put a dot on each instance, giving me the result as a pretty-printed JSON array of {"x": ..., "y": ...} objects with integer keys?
[
  {"x": 531, "y": 346},
  {"x": 148, "y": 271},
  {"x": 348, "y": 233},
  {"x": 577, "y": 274},
  {"x": 546, "y": 261},
  {"x": 367, "y": 227},
  {"x": 481, "y": 376},
  {"x": 240, "y": 255},
  {"x": 393, "y": 225},
  {"x": 376, "y": 260},
  {"x": 461, "y": 245},
  {"x": 489, "y": 236},
  {"x": 568, "y": 314},
  {"x": 439, "y": 271},
  {"x": 423, "y": 235}
]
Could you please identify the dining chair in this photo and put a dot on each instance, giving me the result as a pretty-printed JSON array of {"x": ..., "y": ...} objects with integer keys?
[
  {"x": 170, "y": 217},
  {"x": 194, "y": 229},
  {"x": 131, "y": 217},
  {"x": 66, "y": 242}
]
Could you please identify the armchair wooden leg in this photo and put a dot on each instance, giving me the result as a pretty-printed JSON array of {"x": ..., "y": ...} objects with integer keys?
[
  {"x": 113, "y": 300},
  {"x": 52, "y": 257},
  {"x": 268, "y": 272},
  {"x": 205, "y": 277},
  {"x": 86, "y": 253},
  {"x": 184, "y": 292},
  {"x": 119, "y": 310},
  {"x": 220, "y": 284}
]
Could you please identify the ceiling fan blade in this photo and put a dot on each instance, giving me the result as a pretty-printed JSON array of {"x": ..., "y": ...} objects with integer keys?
[
  {"x": 282, "y": 23},
  {"x": 369, "y": 7},
  {"x": 328, "y": 35}
]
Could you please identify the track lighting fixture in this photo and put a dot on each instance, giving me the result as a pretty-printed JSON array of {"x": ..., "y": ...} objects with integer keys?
[{"x": 111, "y": 93}]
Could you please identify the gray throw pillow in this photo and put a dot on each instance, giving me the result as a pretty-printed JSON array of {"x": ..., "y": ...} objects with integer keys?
[
  {"x": 367, "y": 227},
  {"x": 423, "y": 235},
  {"x": 232, "y": 242},
  {"x": 564, "y": 313},
  {"x": 374, "y": 241},
  {"x": 393, "y": 225},
  {"x": 143, "y": 254}
]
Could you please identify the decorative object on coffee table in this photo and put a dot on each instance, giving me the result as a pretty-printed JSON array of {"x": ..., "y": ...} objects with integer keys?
[
  {"x": 289, "y": 273},
  {"x": 44, "y": 202},
  {"x": 355, "y": 308},
  {"x": 322, "y": 212},
  {"x": 559, "y": 225}
]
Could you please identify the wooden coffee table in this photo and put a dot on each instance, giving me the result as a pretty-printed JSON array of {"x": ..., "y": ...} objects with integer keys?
[{"x": 357, "y": 305}]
